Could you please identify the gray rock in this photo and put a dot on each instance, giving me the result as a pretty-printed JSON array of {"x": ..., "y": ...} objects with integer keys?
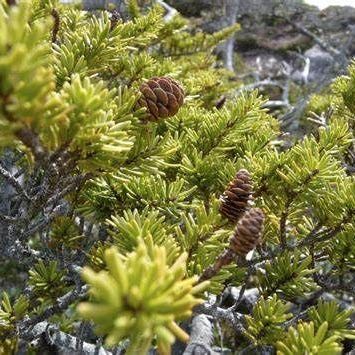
[{"x": 321, "y": 64}]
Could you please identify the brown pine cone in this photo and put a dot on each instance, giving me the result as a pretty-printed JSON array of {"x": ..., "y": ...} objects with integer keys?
[
  {"x": 235, "y": 200},
  {"x": 248, "y": 232},
  {"x": 162, "y": 96}
]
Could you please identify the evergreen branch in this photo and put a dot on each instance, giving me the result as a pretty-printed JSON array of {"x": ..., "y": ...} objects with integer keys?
[
  {"x": 312, "y": 238},
  {"x": 62, "y": 303},
  {"x": 292, "y": 195},
  {"x": 283, "y": 220},
  {"x": 323, "y": 236},
  {"x": 76, "y": 127},
  {"x": 45, "y": 221}
]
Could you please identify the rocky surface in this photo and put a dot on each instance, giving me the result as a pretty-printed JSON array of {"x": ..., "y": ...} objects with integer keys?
[
  {"x": 268, "y": 29},
  {"x": 285, "y": 48}
]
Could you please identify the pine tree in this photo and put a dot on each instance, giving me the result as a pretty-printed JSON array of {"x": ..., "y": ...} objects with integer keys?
[{"x": 118, "y": 172}]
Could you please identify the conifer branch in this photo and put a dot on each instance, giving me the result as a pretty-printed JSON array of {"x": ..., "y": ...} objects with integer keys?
[
  {"x": 61, "y": 304},
  {"x": 68, "y": 103},
  {"x": 292, "y": 195}
]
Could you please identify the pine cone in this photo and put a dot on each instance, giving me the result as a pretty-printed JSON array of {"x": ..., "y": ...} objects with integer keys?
[
  {"x": 162, "y": 97},
  {"x": 248, "y": 232},
  {"x": 235, "y": 200}
]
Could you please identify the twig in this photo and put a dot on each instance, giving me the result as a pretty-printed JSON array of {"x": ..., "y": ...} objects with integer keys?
[
  {"x": 114, "y": 19},
  {"x": 61, "y": 304},
  {"x": 74, "y": 183},
  {"x": 225, "y": 258},
  {"x": 18, "y": 251}
]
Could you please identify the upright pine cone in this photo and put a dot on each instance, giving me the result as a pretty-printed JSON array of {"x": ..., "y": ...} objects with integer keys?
[
  {"x": 235, "y": 200},
  {"x": 162, "y": 96},
  {"x": 248, "y": 232}
]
